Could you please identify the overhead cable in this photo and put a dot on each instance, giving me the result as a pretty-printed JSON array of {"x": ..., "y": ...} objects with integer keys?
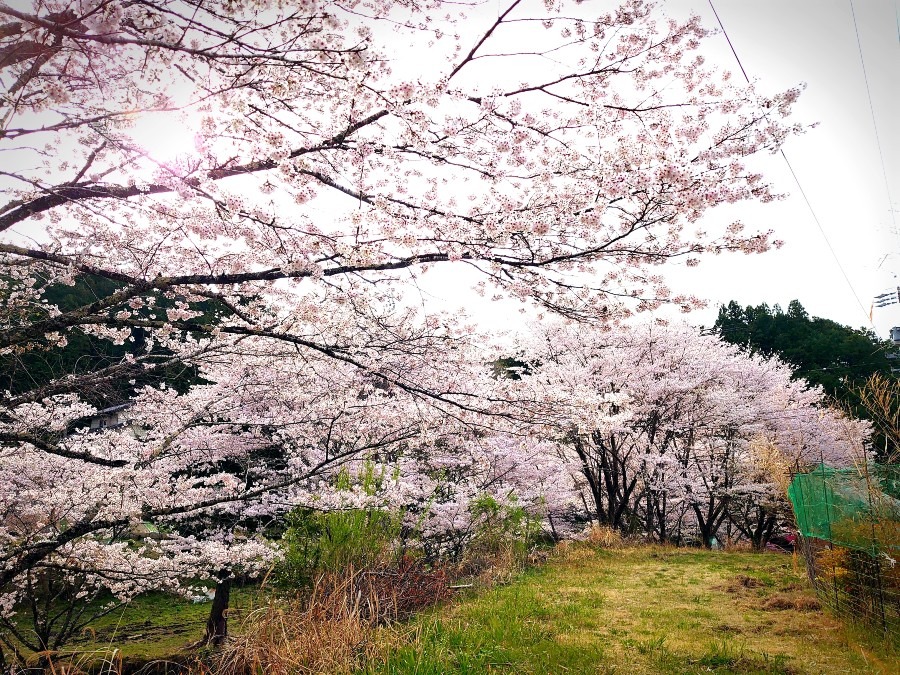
[
  {"x": 862, "y": 62},
  {"x": 797, "y": 180}
]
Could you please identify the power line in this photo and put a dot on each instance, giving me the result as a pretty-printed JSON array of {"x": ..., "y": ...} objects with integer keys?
[
  {"x": 862, "y": 62},
  {"x": 797, "y": 180},
  {"x": 825, "y": 237},
  {"x": 728, "y": 39}
]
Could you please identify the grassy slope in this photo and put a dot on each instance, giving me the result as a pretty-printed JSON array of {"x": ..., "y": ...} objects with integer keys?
[
  {"x": 153, "y": 626},
  {"x": 631, "y": 610},
  {"x": 642, "y": 610}
]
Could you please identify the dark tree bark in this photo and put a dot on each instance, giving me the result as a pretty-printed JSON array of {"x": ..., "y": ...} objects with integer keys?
[
  {"x": 708, "y": 523},
  {"x": 757, "y": 523},
  {"x": 604, "y": 463},
  {"x": 217, "y": 624}
]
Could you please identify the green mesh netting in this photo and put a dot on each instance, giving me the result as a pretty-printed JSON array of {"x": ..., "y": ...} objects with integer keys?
[{"x": 855, "y": 508}]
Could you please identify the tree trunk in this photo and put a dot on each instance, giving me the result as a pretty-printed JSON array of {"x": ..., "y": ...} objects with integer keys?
[
  {"x": 217, "y": 624},
  {"x": 764, "y": 532},
  {"x": 553, "y": 527}
]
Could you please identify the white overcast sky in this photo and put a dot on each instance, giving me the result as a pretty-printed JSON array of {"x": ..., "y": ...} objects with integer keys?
[{"x": 782, "y": 43}]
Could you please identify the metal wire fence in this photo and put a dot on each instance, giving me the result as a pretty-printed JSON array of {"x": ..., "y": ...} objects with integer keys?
[{"x": 849, "y": 522}]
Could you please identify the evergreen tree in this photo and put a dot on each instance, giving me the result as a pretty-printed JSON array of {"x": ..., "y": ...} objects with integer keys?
[
  {"x": 838, "y": 358},
  {"x": 116, "y": 375}
]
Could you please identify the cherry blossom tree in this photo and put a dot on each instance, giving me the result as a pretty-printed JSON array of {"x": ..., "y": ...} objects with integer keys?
[
  {"x": 319, "y": 182},
  {"x": 205, "y": 471},
  {"x": 666, "y": 424},
  {"x": 447, "y": 488}
]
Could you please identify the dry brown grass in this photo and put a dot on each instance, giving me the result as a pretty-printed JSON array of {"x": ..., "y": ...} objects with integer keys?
[
  {"x": 282, "y": 639},
  {"x": 748, "y": 582},
  {"x": 772, "y": 463},
  {"x": 500, "y": 567},
  {"x": 348, "y": 620},
  {"x": 800, "y": 603},
  {"x": 112, "y": 662},
  {"x": 603, "y": 536},
  {"x": 737, "y": 546},
  {"x": 329, "y": 632},
  {"x": 880, "y": 396},
  {"x": 740, "y": 583}
]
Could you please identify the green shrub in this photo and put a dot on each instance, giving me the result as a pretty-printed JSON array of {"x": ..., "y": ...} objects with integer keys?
[
  {"x": 502, "y": 535},
  {"x": 317, "y": 542}
]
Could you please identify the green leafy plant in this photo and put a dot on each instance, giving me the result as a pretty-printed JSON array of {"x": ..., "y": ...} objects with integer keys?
[{"x": 316, "y": 541}]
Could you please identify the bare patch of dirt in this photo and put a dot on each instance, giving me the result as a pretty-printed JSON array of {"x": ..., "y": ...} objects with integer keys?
[
  {"x": 800, "y": 603},
  {"x": 748, "y": 582},
  {"x": 740, "y": 583}
]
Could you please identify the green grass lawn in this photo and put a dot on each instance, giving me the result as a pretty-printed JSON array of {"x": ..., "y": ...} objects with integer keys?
[
  {"x": 629, "y": 610},
  {"x": 154, "y": 626},
  {"x": 642, "y": 610}
]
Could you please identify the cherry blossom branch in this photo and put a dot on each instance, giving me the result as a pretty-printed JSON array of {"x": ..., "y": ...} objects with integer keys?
[
  {"x": 71, "y": 193},
  {"x": 72, "y": 31},
  {"x": 484, "y": 38},
  {"x": 59, "y": 451},
  {"x": 27, "y": 556}
]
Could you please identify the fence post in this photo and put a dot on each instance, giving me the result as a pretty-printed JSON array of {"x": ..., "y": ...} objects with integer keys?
[
  {"x": 828, "y": 520},
  {"x": 875, "y": 548}
]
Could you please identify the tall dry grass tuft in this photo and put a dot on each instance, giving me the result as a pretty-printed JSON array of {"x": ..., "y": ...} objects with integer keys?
[
  {"x": 771, "y": 464},
  {"x": 603, "y": 536},
  {"x": 390, "y": 592},
  {"x": 336, "y": 629},
  {"x": 880, "y": 396},
  {"x": 296, "y": 637},
  {"x": 504, "y": 562},
  {"x": 109, "y": 661}
]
